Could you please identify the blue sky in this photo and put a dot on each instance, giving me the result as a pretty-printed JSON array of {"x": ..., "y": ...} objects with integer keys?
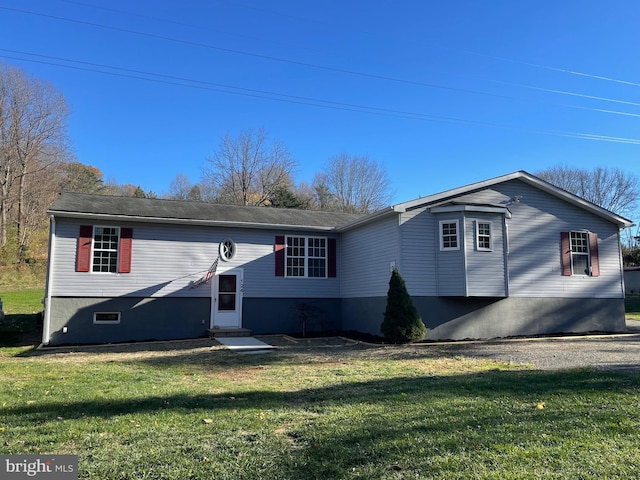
[{"x": 442, "y": 94}]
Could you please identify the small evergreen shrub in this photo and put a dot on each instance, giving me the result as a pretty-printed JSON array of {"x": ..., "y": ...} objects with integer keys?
[{"x": 402, "y": 323}]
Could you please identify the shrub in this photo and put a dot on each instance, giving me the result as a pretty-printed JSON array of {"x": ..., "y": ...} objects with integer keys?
[{"x": 402, "y": 323}]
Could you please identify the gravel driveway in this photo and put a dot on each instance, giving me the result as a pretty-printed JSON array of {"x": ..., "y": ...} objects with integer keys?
[{"x": 602, "y": 352}]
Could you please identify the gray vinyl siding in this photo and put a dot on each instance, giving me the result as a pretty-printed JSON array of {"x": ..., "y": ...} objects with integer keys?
[
  {"x": 166, "y": 259},
  {"x": 534, "y": 260},
  {"x": 486, "y": 270},
  {"x": 366, "y": 257},
  {"x": 451, "y": 264},
  {"x": 419, "y": 245}
]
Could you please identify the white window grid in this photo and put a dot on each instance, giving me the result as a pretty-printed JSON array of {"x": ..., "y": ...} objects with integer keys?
[
  {"x": 449, "y": 235},
  {"x": 484, "y": 232},
  {"x": 105, "y": 249},
  {"x": 580, "y": 264},
  {"x": 306, "y": 257}
]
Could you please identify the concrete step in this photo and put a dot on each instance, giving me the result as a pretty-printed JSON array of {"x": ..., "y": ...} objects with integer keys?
[{"x": 229, "y": 332}]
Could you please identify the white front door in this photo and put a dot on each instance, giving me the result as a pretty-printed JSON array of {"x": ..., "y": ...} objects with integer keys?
[{"x": 226, "y": 305}]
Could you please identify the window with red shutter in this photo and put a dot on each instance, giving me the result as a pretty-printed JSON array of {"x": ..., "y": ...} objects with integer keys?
[
  {"x": 280, "y": 246},
  {"x": 104, "y": 249},
  {"x": 83, "y": 256},
  {"x": 579, "y": 253},
  {"x": 126, "y": 244}
]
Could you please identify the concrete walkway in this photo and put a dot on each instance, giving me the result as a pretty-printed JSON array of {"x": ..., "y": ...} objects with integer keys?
[{"x": 244, "y": 344}]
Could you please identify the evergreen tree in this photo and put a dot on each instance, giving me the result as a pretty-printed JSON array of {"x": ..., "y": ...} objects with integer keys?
[{"x": 402, "y": 323}]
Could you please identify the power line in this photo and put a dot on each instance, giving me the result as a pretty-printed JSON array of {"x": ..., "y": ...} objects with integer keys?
[
  {"x": 221, "y": 88},
  {"x": 50, "y": 57},
  {"x": 468, "y": 52},
  {"x": 321, "y": 67}
]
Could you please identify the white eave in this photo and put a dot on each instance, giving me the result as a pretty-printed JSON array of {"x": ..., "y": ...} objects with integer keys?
[
  {"x": 525, "y": 177},
  {"x": 471, "y": 208}
]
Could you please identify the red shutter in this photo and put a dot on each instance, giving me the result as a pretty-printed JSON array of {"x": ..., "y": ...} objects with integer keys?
[
  {"x": 83, "y": 255},
  {"x": 331, "y": 251},
  {"x": 565, "y": 252},
  {"x": 126, "y": 244},
  {"x": 593, "y": 252},
  {"x": 280, "y": 245}
]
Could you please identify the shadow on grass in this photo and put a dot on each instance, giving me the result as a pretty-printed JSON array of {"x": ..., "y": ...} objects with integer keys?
[
  {"x": 526, "y": 384},
  {"x": 18, "y": 330},
  {"x": 398, "y": 417}
]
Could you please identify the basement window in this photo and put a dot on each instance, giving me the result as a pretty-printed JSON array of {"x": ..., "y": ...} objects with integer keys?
[{"x": 106, "y": 318}]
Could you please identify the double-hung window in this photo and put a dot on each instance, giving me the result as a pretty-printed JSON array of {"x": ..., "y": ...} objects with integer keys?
[
  {"x": 449, "y": 235},
  {"x": 580, "y": 253},
  {"x": 104, "y": 249},
  {"x": 306, "y": 257},
  {"x": 300, "y": 256},
  {"x": 483, "y": 236}
]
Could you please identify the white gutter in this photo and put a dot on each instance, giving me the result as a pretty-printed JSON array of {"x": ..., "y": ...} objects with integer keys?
[{"x": 46, "y": 324}]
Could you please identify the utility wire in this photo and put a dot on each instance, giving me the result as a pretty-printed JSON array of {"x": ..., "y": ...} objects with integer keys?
[
  {"x": 311, "y": 65},
  {"x": 50, "y": 57},
  {"x": 468, "y": 52},
  {"x": 209, "y": 86}
]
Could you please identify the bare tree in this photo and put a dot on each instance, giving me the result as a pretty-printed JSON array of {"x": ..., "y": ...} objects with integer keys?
[
  {"x": 609, "y": 188},
  {"x": 353, "y": 183},
  {"x": 180, "y": 187},
  {"x": 33, "y": 138},
  {"x": 322, "y": 195},
  {"x": 249, "y": 169}
]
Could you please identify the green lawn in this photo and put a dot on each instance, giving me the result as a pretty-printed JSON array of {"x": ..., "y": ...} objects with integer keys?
[
  {"x": 21, "y": 324},
  {"x": 310, "y": 410},
  {"x": 632, "y": 307}
]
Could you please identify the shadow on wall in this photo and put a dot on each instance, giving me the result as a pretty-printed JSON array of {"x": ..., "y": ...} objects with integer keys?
[{"x": 136, "y": 317}]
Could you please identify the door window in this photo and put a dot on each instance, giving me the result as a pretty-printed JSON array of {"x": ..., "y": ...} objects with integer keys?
[{"x": 227, "y": 292}]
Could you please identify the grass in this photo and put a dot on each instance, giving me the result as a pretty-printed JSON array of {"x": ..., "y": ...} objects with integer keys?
[
  {"x": 632, "y": 307},
  {"x": 21, "y": 324},
  {"x": 191, "y": 410}
]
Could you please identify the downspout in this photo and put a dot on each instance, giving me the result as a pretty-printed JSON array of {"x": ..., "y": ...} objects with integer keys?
[
  {"x": 465, "y": 262},
  {"x": 46, "y": 324},
  {"x": 505, "y": 227},
  {"x": 621, "y": 260}
]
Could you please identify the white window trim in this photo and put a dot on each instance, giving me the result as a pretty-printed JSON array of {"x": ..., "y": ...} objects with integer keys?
[
  {"x": 222, "y": 250},
  {"x": 93, "y": 246},
  {"x": 306, "y": 256},
  {"x": 585, "y": 254},
  {"x": 106, "y": 322},
  {"x": 478, "y": 247},
  {"x": 442, "y": 247}
]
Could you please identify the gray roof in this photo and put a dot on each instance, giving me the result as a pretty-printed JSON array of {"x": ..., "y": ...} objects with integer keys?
[{"x": 99, "y": 207}]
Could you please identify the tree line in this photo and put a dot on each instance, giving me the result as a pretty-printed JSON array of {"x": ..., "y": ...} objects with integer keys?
[{"x": 37, "y": 163}]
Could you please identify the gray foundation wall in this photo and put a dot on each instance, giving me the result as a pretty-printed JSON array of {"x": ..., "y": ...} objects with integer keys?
[
  {"x": 175, "y": 318},
  {"x": 455, "y": 318},
  {"x": 291, "y": 315},
  {"x": 141, "y": 319},
  {"x": 459, "y": 318}
]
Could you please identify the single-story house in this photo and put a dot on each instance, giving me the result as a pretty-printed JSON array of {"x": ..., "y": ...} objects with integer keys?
[{"x": 513, "y": 255}]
